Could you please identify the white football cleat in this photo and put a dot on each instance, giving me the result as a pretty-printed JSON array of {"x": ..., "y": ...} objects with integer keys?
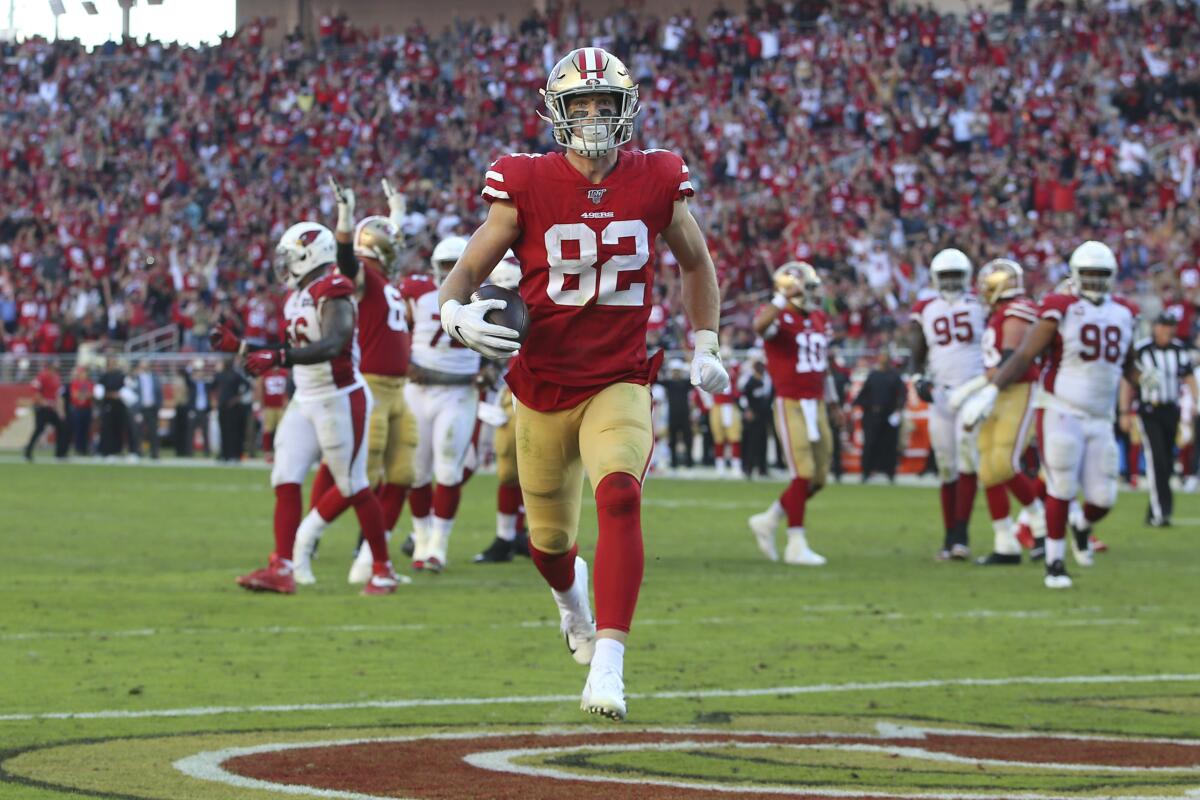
[
  {"x": 604, "y": 694},
  {"x": 360, "y": 570},
  {"x": 1056, "y": 576},
  {"x": 575, "y": 616},
  {"x": 803, "y": 556},
  {"x": 763, "y": 526},
  {"x": 1082, "y": 557},
  {"x": 302, "y": 553},
  {"x": 302, "y": 572}
]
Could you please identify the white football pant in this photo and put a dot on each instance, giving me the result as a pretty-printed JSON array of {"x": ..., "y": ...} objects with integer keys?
[
  {"x": 954, "y": 446},
  {"x": 446, "y": 418},
  {"x": 333, "y": 429},
  {"x": 1079, "y": 452}
]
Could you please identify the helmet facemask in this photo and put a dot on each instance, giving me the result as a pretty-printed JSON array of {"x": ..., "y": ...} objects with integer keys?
[
  {"x": 950, "y": 284},
  {"x": 592, "y": 136},
  {"x": 1093, "y": 283}
]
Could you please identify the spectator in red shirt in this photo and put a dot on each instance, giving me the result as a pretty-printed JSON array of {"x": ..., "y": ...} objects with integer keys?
[
  {"x": 47, "y": 403},
  {"x": 81, "y": 397}
]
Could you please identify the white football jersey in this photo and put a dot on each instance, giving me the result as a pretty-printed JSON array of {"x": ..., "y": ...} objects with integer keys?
[
  {"x": 953, "y": 338},
  {"x": 302, "y": 311},
  {"x": 432, "y": 347},
  {"x": 1087, "y": 357}
]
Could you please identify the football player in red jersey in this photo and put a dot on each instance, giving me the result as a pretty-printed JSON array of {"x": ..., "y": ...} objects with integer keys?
[
  {"x": 328, "y": 416},
  {"x": 1088, "y": 336},
  {"x": 795, "y": 335},
  {"x": 1005, "y": 435},
  {"x": 273, "y": 394},
  {"x": 583, "y": 224}
]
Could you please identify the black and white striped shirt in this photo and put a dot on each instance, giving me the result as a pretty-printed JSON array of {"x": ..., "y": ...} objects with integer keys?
[{"x": 1173, "y": 365}]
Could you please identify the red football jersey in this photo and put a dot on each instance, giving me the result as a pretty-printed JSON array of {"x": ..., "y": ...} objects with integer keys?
[
  {"x": 382, "y": 326},
  {"x": 274, "y": 388},
  {"x": 797, "y": 349},
  {"x": 993, "y": 335},
  {"x": 587, "y": 254},
  {"x": 733, "y": 394}
]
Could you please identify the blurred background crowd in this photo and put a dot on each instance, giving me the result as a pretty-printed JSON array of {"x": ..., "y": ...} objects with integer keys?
[{"x": 143, "y": 186}]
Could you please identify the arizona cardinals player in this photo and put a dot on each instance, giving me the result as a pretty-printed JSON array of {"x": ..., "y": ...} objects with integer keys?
[
  {"x": 795, "y": 335},
  {"x": 1087, "y": 336},
  {"x": 328, "y": 416},
  {"x": 442, "y": 395},
  {"x": 583, "y": 225},
  {"x": 1004, "y": 436},
  {"x": 946, "y": 337}
]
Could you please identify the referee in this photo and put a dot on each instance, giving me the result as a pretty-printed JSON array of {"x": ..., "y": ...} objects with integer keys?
[{"x": 1158, "y": 411}]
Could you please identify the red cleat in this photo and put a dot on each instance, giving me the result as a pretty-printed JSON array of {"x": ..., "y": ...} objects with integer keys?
[
  {"x": 1097, "y": 545},
  {"x": 1025, "y": 537},
  {"x": 275, "y": 577},
  {"x": 384, "y": 580}
]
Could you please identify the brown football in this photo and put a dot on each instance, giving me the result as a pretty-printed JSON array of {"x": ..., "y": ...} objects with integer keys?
[{"x": 515, "y": 315}]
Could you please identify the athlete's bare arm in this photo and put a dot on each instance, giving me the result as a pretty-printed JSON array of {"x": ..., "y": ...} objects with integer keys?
[
  {"x": 698, "y": 276},
  {"x": 487, "y": 246},
  {"x": 1012, "y": 332},
  {"x": 1037, "y": 339},
  {"x": 767, "y": 316}
]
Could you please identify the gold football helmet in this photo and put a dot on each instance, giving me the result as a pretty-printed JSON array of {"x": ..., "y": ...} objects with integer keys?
[
  {"x": 803, "y": 275},
  {"x": 1000, "y": 279},
  {"x": 589, "y": 70},
  {"x": 378, "y": 238}
]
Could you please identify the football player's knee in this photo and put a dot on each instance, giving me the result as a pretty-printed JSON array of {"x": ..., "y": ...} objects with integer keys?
[
  {"x": 448, "y": 474},
  {"x": 399, "y": 471},
  {"x": 619, "y": 489},
  {"x": 550, "y": 540},
  {"x": 287, "y": 470}
]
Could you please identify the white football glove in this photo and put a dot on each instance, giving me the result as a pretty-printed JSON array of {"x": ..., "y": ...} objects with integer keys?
[
  {"x": 345, "y": 206},
  {"x": 1150, "y": 380},
  {"x": 961, "y": 393},
  {"x": 707, "y": 371},
  {"x": 978, "y": 406},
  {"x": 397, "y": 203},
  {"x": 492, "y": 414},
  {"x": 467, "y": 326}
]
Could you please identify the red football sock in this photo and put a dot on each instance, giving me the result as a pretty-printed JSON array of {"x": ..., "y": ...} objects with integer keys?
[
  {"x": 508, "y": 499},
  {"x": 391, "y": 500},
  {"x": 287, "y": 518},
  {"x": 997, "y": 500},
  {"x": 268, "y": 442},
  {"x": 964, "y": 497},
  {"x": 445, "y": 500},
  {"x": 947, "y": 496},
  {"x": 793, "y": 500},
  {"x": 1025, "y": 488},
  {"x": 736, "y": 447},
  {"x": 420, "y": 501},
  {"x": 557, "y": 568},
  {"x": 1094, "y": 513},
  {"x": 467, "y": 473},
  {"x": 332, "y": 504},
  {"x": 1056, "y": 517},
  {"x": 370, "y": 520},
  {"x": 1132, "y": 460},
  {"x": 322, "y": 483},
  {"x": 619, "y": 556}
]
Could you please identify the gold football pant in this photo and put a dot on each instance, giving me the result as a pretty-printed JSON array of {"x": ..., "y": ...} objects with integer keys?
[
  {"x": 608, "y": 433},
  {"x": 505, "y": 443},
  {"x": 725, "y": 422},
  {"x": 806, "y": 458},
  {"x": 271, "y": 417},
  {"x": 1005, "y": 434},
  {"x": 391, "y": 434}
]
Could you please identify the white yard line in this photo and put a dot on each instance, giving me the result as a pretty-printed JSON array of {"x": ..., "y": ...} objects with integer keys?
[{"x": 690, "y": 694}]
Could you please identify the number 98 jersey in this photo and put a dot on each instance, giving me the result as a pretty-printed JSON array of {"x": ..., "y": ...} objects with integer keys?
[
  {"x": 1087, "y": 357},
  {"x": 953, "y": 336},
  {"x": 587, "y": 268}
]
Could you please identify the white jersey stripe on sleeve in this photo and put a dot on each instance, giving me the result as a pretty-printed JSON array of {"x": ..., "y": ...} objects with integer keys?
[
  {"x": 496, "y": 193},
  {"x": 491, "y": 174},
  {"x": 686, "y": 185}
]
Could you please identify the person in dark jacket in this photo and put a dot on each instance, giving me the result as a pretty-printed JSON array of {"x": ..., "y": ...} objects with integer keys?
[
  {"x": 757, "y": 395},
  {"x": 114, "y": 414},
  {"x": 881, "y": 398},
  {"x": 229, "y": 387},
  {"x": 679, "y": 413}
]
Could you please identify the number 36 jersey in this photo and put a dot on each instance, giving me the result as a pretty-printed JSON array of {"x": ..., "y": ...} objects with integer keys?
[
  {"x": 953, "y": 337},
  {"x": 587, "y": 268},
  {"x": 1087, "y": 357},
  {"x": 797, "y": 350}
]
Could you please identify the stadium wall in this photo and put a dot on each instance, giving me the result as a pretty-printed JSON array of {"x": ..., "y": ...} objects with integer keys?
[{"x": 370, "y": 15}]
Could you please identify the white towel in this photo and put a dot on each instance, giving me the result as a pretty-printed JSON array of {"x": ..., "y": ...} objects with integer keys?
[{"x": 809, "y": 409}]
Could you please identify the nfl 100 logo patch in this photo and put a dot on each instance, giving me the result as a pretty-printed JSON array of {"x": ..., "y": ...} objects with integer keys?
[{"x": 596, "y": 196}]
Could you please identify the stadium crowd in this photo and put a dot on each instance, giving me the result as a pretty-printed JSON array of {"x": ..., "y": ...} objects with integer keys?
[{"x": 144, "y": 185}]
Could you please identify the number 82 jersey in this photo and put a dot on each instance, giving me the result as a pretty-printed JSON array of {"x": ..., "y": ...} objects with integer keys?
[
  {"x": 797, "y": 349},
  {"x": 587, "y": 268}
]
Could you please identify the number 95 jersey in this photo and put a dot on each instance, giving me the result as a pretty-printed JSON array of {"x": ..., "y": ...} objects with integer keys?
[
  {"x": 587, "y": 268},
  {"x": 953, "y": 335},
  {"x": 1087, "y": 357}
]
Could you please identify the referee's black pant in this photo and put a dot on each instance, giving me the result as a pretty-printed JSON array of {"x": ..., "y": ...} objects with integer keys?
[{"x": 1159, "y": 426}]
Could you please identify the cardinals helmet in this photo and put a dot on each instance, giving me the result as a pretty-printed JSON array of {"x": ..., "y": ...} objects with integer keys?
[
  {"x": 507, "y": 273},
  {"x": 951, "y": 273},
  {"x": 1093, "y": 270},
  {"x": 1000, "y": 279},
  {"x": 446, "y": 255},
  {"x": 304, "y": 247},
  {"x": 590, "y": 70}
]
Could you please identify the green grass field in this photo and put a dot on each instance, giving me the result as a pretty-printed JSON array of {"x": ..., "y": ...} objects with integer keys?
[{"x": 117, "y": 595}]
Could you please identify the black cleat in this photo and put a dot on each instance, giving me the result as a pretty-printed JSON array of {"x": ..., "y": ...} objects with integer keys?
[
  {"x": 521, "y": 545},
  {"x": 498, "y": 552},
  {"x": 996, "y": 559},
  {"x": 1038, "y": 551},
  {"x": 409, "y": 546},
  {"x": 1056, "y": 576}
]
